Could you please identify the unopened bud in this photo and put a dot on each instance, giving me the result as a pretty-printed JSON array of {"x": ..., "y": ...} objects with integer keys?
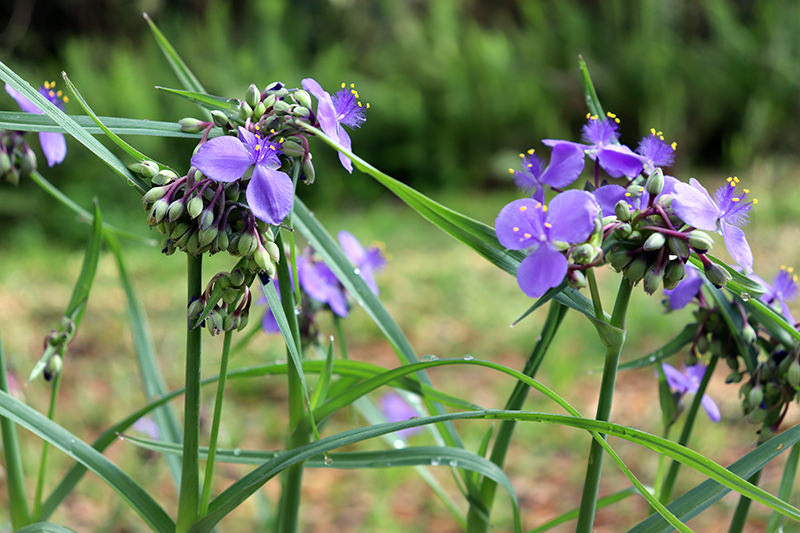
[
  {"x": 619, "y": 258},
  {"x": 576, "y": 279},
  {"x": 220, "y": 119},
  {"x": 214, "y": 321},
  {"x": 655, "y": 182},
  {"x": 230, "y": 296},
  {"x": 302, "y": 98},
  {"x": 241, "y": 322},
  {"x": 247, "y": 245},
  {"x": 12, "y": 176},
  {"x": 207, "y": 236},
  {"x": 654, "y": 242},
  {"x": 679, "y": 247},
  {"x": 236, "y": 277},
  {"x": 717, "y": 275},
  {"x": 292, "y": 149},
  {"x": 206, "y": 219},
  {"x": 280, "y": 106},
  {"x": 749, "y": 334},
  {"x": 193, "y": 243},
  {"x": 232, "y": 191},
  {"x": 262, "y": 259},
  {"x": 176, "y": 210},
  {"x": 300, "y": 111},
  {"x": 154, "y": 194},
  {"x": 27, "y": 162},
  {"x": 273, "y": 251},
  {"x": 178, "y": 230},
  {"x": 583, "y": 254},
  {"x": 622, "y": 231},
  {"x": 245, "y": 111},
  {"x": 755, "y": 396},
  {"x": 164, "y": 177},
  {"x": 160, "y": 209},
  {"x": 252, "y": 96},
  {"x": 700, "y": 241},
  {"x": 192, "y": 125},
  {"x": 258, "y": 110},
  {"x": 636, "y": 270},
  {"x": 674, "y": 273},
  {"x": 269, "y": 101},
  {"x": 623, "y": 211},
  {"x": 228, "y": 323},
  {"x": 5, "y": 162},
  {"x": 652, "y": 280},
  {"x": 195, "y": 207},
  {"x": 222, "y": 240},
  {"x": 793, "y": 374},
  {"x": 53, "y": 368},
  {"x": 757, "y": 416}
]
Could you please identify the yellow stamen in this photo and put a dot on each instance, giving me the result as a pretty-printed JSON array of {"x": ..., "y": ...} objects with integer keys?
[
  {"x": 51, "y": 93},
  {"x": 746, "y": 191},
  {"x": 367, "y": 105},
  {"x": 258, "y": 147},
  {"x": 522, "y": 155},
  {"x": 544, "y": 208},
  {"x": 515, "y": 228},
  {"x": 735, "y": 199},
  {"x": 352, "y": 85},
  {"x": 548, "y": 225},
  {"x": 755, "y": 201},
  {"x": 527, "y": 235},
  {"x": 510, "y": 170},
  {"x": 652, "y": 131},
  {"x": 523, "y": 208},
  {"x": 344, "y": 85},
  {"x": 674, "y": 145},
  {"x": 530, "y": 152}
]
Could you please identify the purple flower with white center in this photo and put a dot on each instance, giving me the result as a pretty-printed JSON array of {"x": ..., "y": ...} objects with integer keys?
[
  {"x": 566, "y": 164},
  {"x": 655, "y": 151},
  {"x": 724, "y": 214},
  {"x": 333, "y": 112},
  {"x": 687, "y": 382},
  {"x": 781, "y": 291},
  {"x": 685, "y": 291},
  {"x": 602, "y": 144},
  {"x": 396, "y": 409},
  {"x": 607, "y": 196},
  {"x": 530, "y": 225},
  {"x": 53, "y": 143},
  {"x": 270, "y": 192}
]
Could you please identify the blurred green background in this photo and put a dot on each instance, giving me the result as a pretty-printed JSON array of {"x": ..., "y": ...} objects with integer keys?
[{"x": 457, "y": 88}]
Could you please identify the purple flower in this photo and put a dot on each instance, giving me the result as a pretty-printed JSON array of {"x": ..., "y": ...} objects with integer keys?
[
  {"x": 781, "y": 291},
  {"x": 148, "y": 427},
  {"x": 566, "y": 164},
  {"x": 268, "y": 323},
  {"x": 724, "y": 213},
  {"x": 607, "y": 196},
  {"x": 395, "y": 409},
  {"x": 366, "y": 261},
  {"x": 687, "y": 382},
  {"x": 655, "y": 151},
  {"x": 530, "y": 225},
  {"x": 602, "y": 144},
  {"x": 685, "y": 291},
  {"x": 269, "y": 192},
  {"x": 53, "y": 144},
  {"x": 333, "y": 112}
]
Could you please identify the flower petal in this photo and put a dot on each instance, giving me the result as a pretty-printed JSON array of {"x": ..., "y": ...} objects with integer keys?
[
  {"x": 619, "y": 160},
  {"x": 223, "y": 158},
  {"x": 520, "y": 224},
  {"x": 676, "y": 380},
  {"x": 737, "y": 246},
  {"x": 694, "y": 206},
  {"x": 711, "y": 408},
  {"x": 344, "y": 140},
  {"x": 685, "y": 291},
  {"x": 543, "y": 269},
  {"x": 566, "y": 164},
  {"x": 352, "y": 248},
  {"x": 337, "y": 300},
  {"x": 607, "y": 197},
  {"x": 571, "y": 216},
  {"x": 312, "y": 281},
  {"x": 270, "y": 194},
  {"x": 54, "y": 147},
  {"x": 23, "y": 103},
  {"x": 326, "y": 112}
]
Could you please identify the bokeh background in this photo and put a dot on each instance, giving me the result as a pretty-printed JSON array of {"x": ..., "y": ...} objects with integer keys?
[{"x": 457, "y": 89}]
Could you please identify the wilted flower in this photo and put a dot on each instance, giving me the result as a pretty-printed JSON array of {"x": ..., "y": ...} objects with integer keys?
[
  {"x": 270, "y": 192},
  {"x": 53, "y": 144},
  {"x": 687, "y": 382},
  {"x": 343, "y": 108}
]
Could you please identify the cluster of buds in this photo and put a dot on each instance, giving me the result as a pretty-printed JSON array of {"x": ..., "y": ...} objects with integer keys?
[
  {"x": 55, "y": 345},
  {"x": 771, "y": 388},
  {"x": 224, "y": 305},
  {"x": 17, "y": 159}
]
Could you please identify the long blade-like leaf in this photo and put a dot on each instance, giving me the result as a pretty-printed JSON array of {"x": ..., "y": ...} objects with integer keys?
[
  {"x": 207, "y": 101},
  {"x": 683, "y": 338},
  {"x": 186, "y": 77},
  {"x": 17, "y": 121}
]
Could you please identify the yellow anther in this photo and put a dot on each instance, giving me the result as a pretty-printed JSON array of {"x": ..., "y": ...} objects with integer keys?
[
  {"x": 548, "y": 225},
  {"x": 628, "y": 194},
  {"x": 59, "y": 93},
  {"x": 735, "y": 199},
  {"x": 530, "y": 151},
  {"x": 529, "y": 165},
  {"x": 523, "y": 208},
  {"x": 359, "y": 104},
  {"x": 258, "y": 147},
  {"x": 257, "y": 127},
  {"x": 344, "y": 85},
  {"x": 588, "y": 115},
  {"x": 515, "y": 228},
  {"x": 352, "y": 85},
  {"x": 735, "y": 179},
  {"x": 611, "y": 115},
  {"x": 544, "y": 208},
  {"x": 527, "y": 235},
  {"x": 616, "y": 120},
  {"x": 790, "y": 269},
  {"x": 784, "y": 267},
  {"x": 522, "y": 155},
  {"x": 794, "y": 278},
  {"x": 51, "y": 93},
  {"x": 281, "y": 140},
  {"x": 272, "y": 131},
  {"x": 674, "y": 145},
  {"x": 652, "y": 131},
  {"x": 367, "y": 105},
  {"x": 660, "y": 134},
  {"x": 746, "y": 191},
  {"x": 510, "y": 170},
  {"x": 755, "y": 201}
]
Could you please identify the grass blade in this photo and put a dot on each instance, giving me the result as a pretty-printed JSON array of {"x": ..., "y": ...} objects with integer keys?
[
  {"x": 17, "y": 121},
  {"x": 186, "y": 77},
  {"x": 15, "y": 477},
  {"x": 204, "y": 100},
  {"x": 572, "y": 515}
]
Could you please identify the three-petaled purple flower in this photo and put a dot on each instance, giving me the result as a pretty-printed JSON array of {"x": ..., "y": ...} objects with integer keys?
[
  {"x": 530, "y": 225},
  {"x": 333, "y": 112},
  {"x": 269, "y": 192},
  {"x": 602, "y": 144},
  {"x": 687, "y": 382},
  {"x": 685, "y": 291},
  {"x": 53, "y": 143},
  {"x": 655, "y": 151},
  {"x": 396, "y": 409},
  {"x": 566, "y": 164},
  {"x": 724, "y": 214},
  {"x": 781, "y": 291}
]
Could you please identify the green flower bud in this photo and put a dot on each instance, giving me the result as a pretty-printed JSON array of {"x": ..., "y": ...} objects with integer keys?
[
  {"x": 207, "y": 236},
  {"x": 292, "y": 149},
  {"x": 183, "y": 239},
  {"x": 700, "y": 241},
  {"x": 252, "y": 96},
  {"x": 193, "y": 244},
  {"x": 241, "y": 323},
  {"x": 674, "y": 273},
  {"x": 27, "y": 162},
  {"x": 270, "y": 100},
  {"x": 247, "y": 244},
  {"x": 164, "y": 177},
  {"x": 636, "y": 270},
  {"x": 623, "y": 231},
  {"x": 654, "y": 242},
  {"x": 5, "y": 162},
  {"x": 702, "y": 345},
  {"x": 154, "y": 194},
  {"x": 220, "y": 119},
  {"x": 12, "y": 176},
  {"x": 678, "y": 247},
  {"x": 302, "y": 98},
  {"x": 206, "y": 219},
  {"x": 734, "y": 377},
  {"x": 635, "y": 235},
  {"x": 245, "y": 111},
  {"x": 655, "y": 182},
  {"x": 793, "y": 374},
  {"x": 232, "y": 191},
  {"x": 583, "y": 254},
  {"x": 192, "y": 125},
  {"x": 160, "y": 209},
  {"x": 280, "y": 106},
  {"x": 262, "y": 258},
  {"x": 258, "y": 110},
  {"x": 176, "y": 210},
  {"x": 222, "y": 240},
  {"x": 53, "y": 367},
  {"x": 233, "y": 244},
  {"x": 228, "y": 323},
  {"x": 178, "y": 230},
  {"x": 576, "y": 279},
  {"x": 619, "y": 258},
  {"x": 273, "y": 251},
  {"x": 308, "y": 171},
  {"x": 237, "y": 277},
  {"x": 300, "y": 111},
  {"x": 623, "y": 211},
  {"x": 749, "y": 334},
  {"x": 755, "y": 396},
  {"x": 757, "y": 416},
  {"x": 214, "y": 321},
  {"x": 717, "y": 275},
  {"x": 230, "y": 296},
  {"x": 195, "y": 207},
  {"x": 652, "y": 280}
]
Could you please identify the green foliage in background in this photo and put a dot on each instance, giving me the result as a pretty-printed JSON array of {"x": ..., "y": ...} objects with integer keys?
[{"x": 457, "y": 89}]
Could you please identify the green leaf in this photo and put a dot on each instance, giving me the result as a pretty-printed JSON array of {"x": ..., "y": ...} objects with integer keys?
[
  {"x": 208, "y": 101},
  {"x": 130, "y": 491},
  {"x": 682, "y": 339},
  {"x": 321, "y": 390},
  {"x": 44, "y": 527},
  {"x": 572, "y": 515},
  {"x": 15, "y": 477},
  {"x": 70, "y": 126},
  {"x": 186, "y": 77},
  {"x": 592, "y": 101},
  {"x": 705, "y": 494},
  {"x": 18, "y": 121},
  {"x": 733, "y": 318},
  {"x": 739, "y": 284},
  {"x": 785, "y": 489},
  {"x": 774, "y": 322}
]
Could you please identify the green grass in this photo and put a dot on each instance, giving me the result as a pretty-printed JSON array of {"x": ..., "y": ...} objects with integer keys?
[{"x": 447, "y": 300}]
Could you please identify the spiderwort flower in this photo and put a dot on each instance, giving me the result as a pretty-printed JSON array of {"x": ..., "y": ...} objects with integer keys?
[
  {"x": 396, "y": 409},
  {"x": 566, "y": 164},
  {"x": 602, "y": 144},
  {"x": 724, "y": 214},
  {"x": 53, "y": 144},
  {"x": 343, "y": 108},
  {"x": 530, "y": 225},
  {"x": 685, "y": 291},
  {"x": 781, "y": 291},
  {"x": 366, "y": 261},
  {"x": 655, "y": 151},
  {"x": 607, "y": 196},
  {"x": 270, "y": 192},
  {"x": 688, "y": 381}
]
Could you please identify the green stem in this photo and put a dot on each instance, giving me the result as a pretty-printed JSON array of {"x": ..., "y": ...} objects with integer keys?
[
  {"x": 664, "y": 491},
  {"x": 596, "y": 302},
  {"x": 740, "y": 515},
  {"x": 51, "y": 412},
  {"x": 340, "y": 338},
  {"x": 15, "y": 478},
  {"x": 189, "y": 492},
  {"x": 785, "y": 489},
  {"x": 212, "y": 445},
  {"x": 478, "y": 516},
  {"x": 292, "y": 478},
  {"x": 595, "y": 462}
]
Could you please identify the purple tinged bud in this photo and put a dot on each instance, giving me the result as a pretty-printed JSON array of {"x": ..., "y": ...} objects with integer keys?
[
  {"x": 636, "y": 270},
  {"x": 154, "y": 194},
  {"x": 303, "y": 98},
  {"x": 679, "y": 247},
  {"x": 5, "y": 162},
  {"x": 252, "y": 96},
  {"x": 655, "y": 183},
  {"x": 245, "y": 111},
  {"x": 308, "y": 171},
  {"x": 194, "y": 207},
  {"x": 206, "y": 219},
  {"x": 716, "y": 274},
  {"x": 160, "y": 209},
  {"x": 700, "y": 241},
  {"x": 292, "y": 148},
  {"x": 623, "y": 211},
  {"x": 53, "y": 368},
  {"x": 207, "y": 236},
  {"x": 220, "y": 119}
]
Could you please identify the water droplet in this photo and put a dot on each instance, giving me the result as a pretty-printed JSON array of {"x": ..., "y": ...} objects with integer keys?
[
  {"x": 356, "y": 271},
  {"x": 652, "y": 358},
  {"x": 468, "y": 357},
  {"x": 745, "y": 296},
  {"x": 327, "y": 460},
  {"x": 298, "y": 310},
  {"x": 237, "y": 452},
  {"x": 436, "y": 461},
  {"x": 399, "y": 443},
  {"x": 453, "y": 463}
]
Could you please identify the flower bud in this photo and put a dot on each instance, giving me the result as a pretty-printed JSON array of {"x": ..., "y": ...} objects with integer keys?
[
  {"x": 228, "y": 323},
  {"x": 292, "y": 149},
  {"x": 273, "y": 251},
  {"x": 700, "y": 241},
  {"x": 245, "y": 111},
  {"x": 300, "y": 111},
  {"x": 230, "y": 296},
  {"x": 262, "y": 259},
  {"x": 280, "y": 106},
  {"x": 164, "y": 177},
  {"x": 655, "y": 182},
  {"x": 308, "y": 171},
  {"x": 757, "y": 416},
  {"x": 619, "y": 258},
  {"x": 178, "y": 230},
  {"x": 755, "y": 396},
  {"x": 258, "y": 110},
  {"x": 679, "y": 247},
  {"x": 220, "y": 119},
  {"x": 717, "y": 275},
  {"x": 154, "y": 194},
  {"x": 160, "y": 209},
  {"x": 302, "y": 98},
  {"x": 652, "y": 280},
  {"x": 622, "y": 231},
  {"x": 241, "y": 323},
  {"x": 247, "y": 244},
  {"x": 53, "y": 367},
  {"x": 183, "y": 239},
  {"x": 576, "y": 279},
  {"x": 206, "y": 218},
  {"x": 176, "y": 210},
  {"x": 27, "y": 163},
  {"x": 12, "y": 176},
  {"x": 232, "y": 191},
  {"x": 674, "y": 273},
  {"x": 793, "y": 374},
  {"x": 583, "y": 254},
  {"x": 270, "y": 100},
  {"x": 252, "y": 96},
  {"x": 654, "y": 242},
  {"x": 5, "y": 162},
  {"x": 207, "y": 236},
  {"x": 749, "y": 334},
  {"x": 636, "y": 270},
  {"x": 214, "y": 321},
  {"x": 623, "y": 211},
  {"x": 237, "y": 277},
  {"x": 195, "y": 207},
  {"x": 192, "y": 125},
  {"x": 222, "y": 240}
]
